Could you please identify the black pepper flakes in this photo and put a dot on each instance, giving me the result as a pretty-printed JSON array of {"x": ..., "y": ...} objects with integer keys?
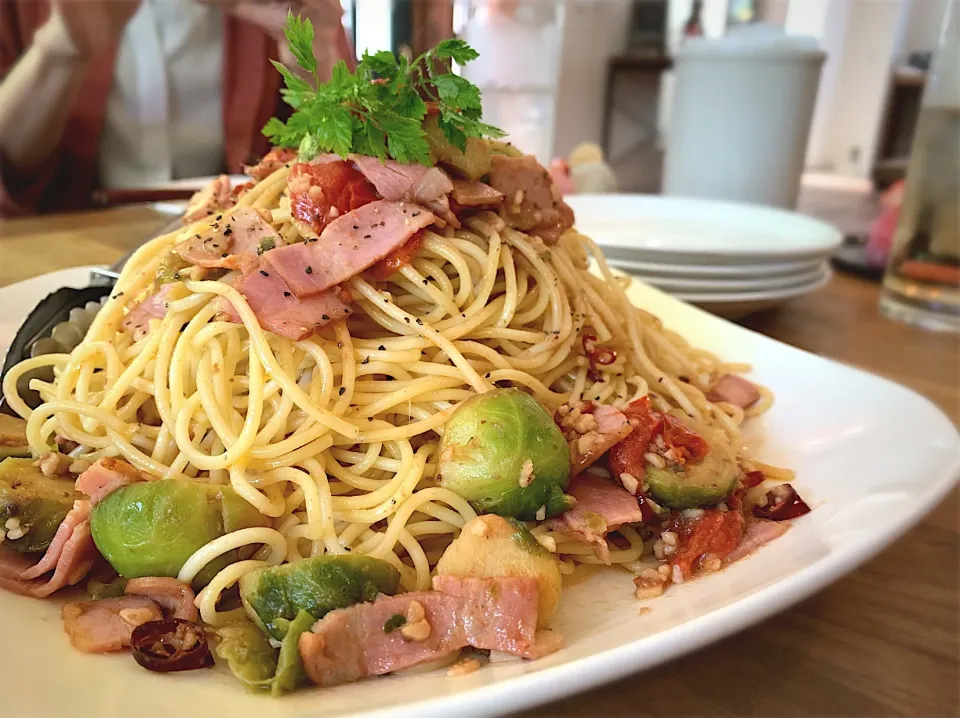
[
  {"x": 342, "y": 391},
  {"x": 415, "y": 214},
  {"x": 356, "y": 226},
  {"x": 324, "y": 317},
  {"x": 308, "y": 270},
  {"x": 366, "y": 360},
  {"x": 426, "y": 282},
  {"x": 286, "y": 294},
  {"x": 264, "y": 272},
  {"x": 382, "y": 348},
  {"x": 419, "y": 321},
  {"x": 228, "y": 231},
  {"x": 406, "y": 319},
  {"x": 366, "y": 236}
]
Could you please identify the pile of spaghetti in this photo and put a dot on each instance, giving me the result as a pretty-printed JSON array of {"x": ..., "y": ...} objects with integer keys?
[{"x": 332, "y": 430}]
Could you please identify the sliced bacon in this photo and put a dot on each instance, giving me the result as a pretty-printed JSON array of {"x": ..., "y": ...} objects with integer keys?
[
  {"x": 497, "y": 614},
  {"x": 232, "y": 243},
  {"x": 79, "y": 514},
  {"x": 172, "y": 594},
  {"x": 276, "y": 158},
  {"x": 532, "y": 202},
  {"x": 397, "y": 182},
  {"x": 590, "y": 430},
  {"x": 154, "y": 306},
  {"x": 735, "y": 390},
  {"x": 105, "y": 476},
  {"x": 215, "y": 196},
  {"x": 757, "y": 534},
  {"x": 105, "y": 626},
  {"x": 471, "y": 193},
  {"x": 278, "y": 310},
  {"x": 350, "y": 244},
  {"x": 324, "y": 189},
  {"x": 602, "y": 506}
]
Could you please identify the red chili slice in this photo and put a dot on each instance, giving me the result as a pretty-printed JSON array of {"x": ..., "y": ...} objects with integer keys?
[
  {"x": 603, "y": 356},
  {"x": 752, "y": 478},
  {"x": 783, "y": 504},
  {"x": 170, "y": 645}
]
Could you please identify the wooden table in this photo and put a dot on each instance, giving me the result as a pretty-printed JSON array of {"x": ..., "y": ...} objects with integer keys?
[{"x": 881, "y": 642}]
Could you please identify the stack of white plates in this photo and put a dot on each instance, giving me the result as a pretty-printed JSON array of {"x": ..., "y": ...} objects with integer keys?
[{"x": 729, "y": 258}]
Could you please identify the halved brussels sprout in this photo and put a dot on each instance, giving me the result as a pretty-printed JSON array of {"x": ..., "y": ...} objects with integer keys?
[
  {"x": 503, "y": 453},
  {"x": 39, "y": 502},
  {"x": 151, "y": 528},
  {"x": 290, "y": 674},
  {"x": 248, "y": 653},
  {"x": 706, "y": 482},
  {"x": 13, "y": 437},
  {"x": 317, "y": 585},
  {"x": 473, "y": 164},
  {"x": 491, "y": 546}
]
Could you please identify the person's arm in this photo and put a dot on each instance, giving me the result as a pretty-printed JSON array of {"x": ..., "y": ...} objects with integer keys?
[{"x": 37, "y": 94}]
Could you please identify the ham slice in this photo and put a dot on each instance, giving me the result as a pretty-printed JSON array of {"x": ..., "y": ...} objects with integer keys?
[
  {"x": 232, "y": 243},
  {"x": 107, "y": 625},
  {"x": 590, "y": 430},
  {"x": 105, "y": 476},
  {"x": 214, "y": 196},
  {"x": 758, "y": 533},
  {"x": 469, "y": 193},
  {"x": 734, "y": 390},
  {"x": 532, "y": 202},
  {"x": 279, "y": 311},
  {"x": 154, "y": 306},
  {"x": 276, "y": 158},
  {"x": 497, "y": 614},
  {"x": 172, "y": 594},
  {"x": 350, "y": 244},
  {"x": 70, "y": 555},
  {"x": 602, "y": 506},
  {"x": 395, "y": 182}
]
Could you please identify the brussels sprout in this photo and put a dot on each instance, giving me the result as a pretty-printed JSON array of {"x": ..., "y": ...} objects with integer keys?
[
  {"x": 473, "y": 164},
  {"x": 170, "y": 266},
  {"x": 13, "y": 437},
  {"x": 503, "y": 453},
  {"x": 290, "y": 674},
  {"x": 702, "y": 483},
  {"x": 98, "y": 590},
  {"x": 248, "y": 653},
  {"x": 316, "y": 585},
  {"x": 151, "y": 528},
  {"x": 491, "y": 546},
  {"x": 39, "y": 502}
]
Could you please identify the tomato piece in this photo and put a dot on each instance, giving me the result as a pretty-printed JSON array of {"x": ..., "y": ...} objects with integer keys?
[
  {"x": 321, "y": 192},
  {"x": 716, "y": 532},
  {"x": 400, "y": 257},
  {"x": 676, "y": 435}
]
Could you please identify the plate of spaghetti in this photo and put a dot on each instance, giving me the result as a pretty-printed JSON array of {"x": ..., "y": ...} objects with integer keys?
[{"x": 381, "y": 432}]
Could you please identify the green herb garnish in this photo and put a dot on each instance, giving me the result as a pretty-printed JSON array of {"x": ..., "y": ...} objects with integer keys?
[
  {"x": 266, "y": 245},
  {"x": 379, "y": 109},
  {"x": 394, "y": 622}
]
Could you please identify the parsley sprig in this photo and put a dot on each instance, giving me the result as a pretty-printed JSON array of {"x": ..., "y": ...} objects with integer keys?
[{"x": 379, "y": 109}]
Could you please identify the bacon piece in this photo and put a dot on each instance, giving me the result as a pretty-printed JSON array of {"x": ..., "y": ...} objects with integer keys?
[
  {"x": 395, "y": 181},
  {"x": 215, "y": 196},
  {"x": 172, "y": 594},
  {"x": 497, "y": 614},
  {"x": 233, "y": 243},
  {"x": 757, "y": 534},
  {"x": 532, "y": 202},
  {"x": 602, "y": 506},
  {"x": 105, "y": 626},
  {"x": 154, "y": 306},
  {"x": 590, "y": 430},
  {"x": 276, "y": 158},
  {"x": 278, "y": 310},
  {"x": 350, "y": 244},
  {"x": 734, "y": 390},
  {"x": 105, "y": 476},
  {"x": 470, "y": 193}
]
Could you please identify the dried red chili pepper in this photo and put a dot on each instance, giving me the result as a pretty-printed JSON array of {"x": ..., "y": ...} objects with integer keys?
[
  {"x": 783, "y": 503},
  {"x": 170, "y": 645},
  {"x": 752, "y": 478}
]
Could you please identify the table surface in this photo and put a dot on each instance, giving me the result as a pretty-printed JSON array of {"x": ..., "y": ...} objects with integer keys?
[{"x": 883, "y": 641}]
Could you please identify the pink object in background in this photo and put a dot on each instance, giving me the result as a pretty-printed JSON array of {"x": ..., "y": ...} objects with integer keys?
[
  {"x": 883, "y": 230},
  {"x": 560, "y": 174}
]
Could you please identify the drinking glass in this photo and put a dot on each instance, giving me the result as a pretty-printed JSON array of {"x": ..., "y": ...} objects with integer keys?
[{"x": 922, "y": 282}]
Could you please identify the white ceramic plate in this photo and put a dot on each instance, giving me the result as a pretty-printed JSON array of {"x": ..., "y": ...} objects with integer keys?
[
  {"x": 716, "y": 271},
  {"x": 667, "y": 229},
  {"x": 782, "y": 293},
  {"x": 725, "y": 285},
  {"x": 845, "y": 432}
]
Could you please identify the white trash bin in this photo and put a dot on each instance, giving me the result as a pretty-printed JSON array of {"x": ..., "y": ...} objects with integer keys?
[{"x": 741, "y": 115}]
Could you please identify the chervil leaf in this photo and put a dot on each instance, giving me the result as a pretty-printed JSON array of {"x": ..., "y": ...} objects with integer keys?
[
  {"x": 299, "y": 34},
  {"x": 456, "y": 50},
  {"x": 377, "y": 110}
]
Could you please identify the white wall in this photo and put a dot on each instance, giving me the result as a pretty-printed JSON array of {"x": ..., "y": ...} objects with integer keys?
[
  {"x": 594, "y": 31},
  {"x": 924, "y": 19}
]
